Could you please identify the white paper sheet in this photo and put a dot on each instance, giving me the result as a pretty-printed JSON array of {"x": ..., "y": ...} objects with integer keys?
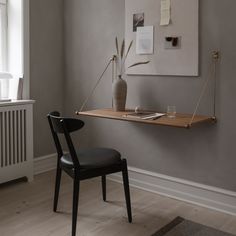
[
  {"x": 165, "y": 12},
  {"x": 144, "y": 40}
]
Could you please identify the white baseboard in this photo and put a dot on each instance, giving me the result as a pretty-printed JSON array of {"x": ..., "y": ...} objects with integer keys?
[
  {"x": 198, "y": 194},
  {"x": 45, "y": 163}
]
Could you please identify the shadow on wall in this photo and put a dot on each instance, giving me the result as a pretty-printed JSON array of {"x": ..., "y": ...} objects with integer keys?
[
  {"x": 175, "y": 151},
  {"x": 164, "y": 150}
]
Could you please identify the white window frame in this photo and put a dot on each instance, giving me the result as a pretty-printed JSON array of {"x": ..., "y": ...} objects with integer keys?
[
  {"x": 26, "y": 48},
  {"x": 3, "y": 28},
  {"x": 25, "y": 45}
]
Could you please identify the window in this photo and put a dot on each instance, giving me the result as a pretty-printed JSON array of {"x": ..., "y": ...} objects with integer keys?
[
  {"x": 14, "y": 48},
  {"x": 3, "y": 35}
]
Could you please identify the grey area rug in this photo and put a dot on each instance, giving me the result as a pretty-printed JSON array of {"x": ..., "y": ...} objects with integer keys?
[{"x": 182, "y": 227}]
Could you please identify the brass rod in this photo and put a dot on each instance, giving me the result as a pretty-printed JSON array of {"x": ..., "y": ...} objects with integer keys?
[
  {"x": 94, "y": 88},
  {"x": 216, "y": 56},
  {"x": 212, "y": 73}
]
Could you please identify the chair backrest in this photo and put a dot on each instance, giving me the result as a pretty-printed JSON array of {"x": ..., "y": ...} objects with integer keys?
[{"x": 61, "y": 125}]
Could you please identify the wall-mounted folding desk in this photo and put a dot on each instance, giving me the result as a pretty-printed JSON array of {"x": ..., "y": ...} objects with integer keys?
[{"x": 180, "y": 121}]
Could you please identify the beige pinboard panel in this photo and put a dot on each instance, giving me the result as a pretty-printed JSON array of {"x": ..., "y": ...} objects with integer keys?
[{"x": 184, "y": 23}]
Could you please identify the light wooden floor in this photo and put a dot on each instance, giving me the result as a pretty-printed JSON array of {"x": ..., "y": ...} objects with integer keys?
[{"x": 26, "y": 210}]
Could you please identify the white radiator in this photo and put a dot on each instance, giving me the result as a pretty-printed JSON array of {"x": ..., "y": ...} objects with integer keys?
[{"x": 16, "y": 140}]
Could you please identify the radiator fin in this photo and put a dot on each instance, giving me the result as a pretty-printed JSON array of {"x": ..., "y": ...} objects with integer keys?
[{"x": 12, "y": 137}]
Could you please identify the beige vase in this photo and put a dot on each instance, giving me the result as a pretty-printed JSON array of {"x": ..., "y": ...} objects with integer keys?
[{"x": 119, "y": 89}]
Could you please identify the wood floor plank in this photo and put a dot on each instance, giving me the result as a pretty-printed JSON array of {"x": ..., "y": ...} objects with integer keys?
[{"x": 26, "y": 210}]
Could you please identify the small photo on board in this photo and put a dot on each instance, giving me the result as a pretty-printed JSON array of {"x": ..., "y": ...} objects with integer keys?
[{"x": 138, "y": 21}]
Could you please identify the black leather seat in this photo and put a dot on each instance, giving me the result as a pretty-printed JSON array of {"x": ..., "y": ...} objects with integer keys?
[
  {"x": 92, "y": 158},
  {"x": 84, "y": 163}
]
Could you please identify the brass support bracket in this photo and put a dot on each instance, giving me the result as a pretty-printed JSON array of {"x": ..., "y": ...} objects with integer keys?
[{"x": 212, "y": 75}]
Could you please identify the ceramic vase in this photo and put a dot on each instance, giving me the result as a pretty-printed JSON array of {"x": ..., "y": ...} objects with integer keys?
[{"x": 119, "y": 89}]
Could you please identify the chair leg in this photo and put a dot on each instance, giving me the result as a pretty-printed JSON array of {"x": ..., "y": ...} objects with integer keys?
[
  {"x": 57, "y": 188},
  {"x": 104, "y": 188},
  {"x": 127, "y": 191},
  {"x": 75, "y": 205}
]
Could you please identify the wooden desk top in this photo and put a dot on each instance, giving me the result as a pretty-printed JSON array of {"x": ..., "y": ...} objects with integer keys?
[{"x": 180, "y": 121}]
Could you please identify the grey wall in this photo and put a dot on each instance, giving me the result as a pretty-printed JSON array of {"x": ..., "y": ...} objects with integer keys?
[
  {"x": 205, "y": 154},
  {"x": 46, "y": 68}
]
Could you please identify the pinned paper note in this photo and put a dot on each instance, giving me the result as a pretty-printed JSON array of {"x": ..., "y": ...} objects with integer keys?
[
  {"x": 144, "y": 40},
  {"x": 165, "y": 12}
]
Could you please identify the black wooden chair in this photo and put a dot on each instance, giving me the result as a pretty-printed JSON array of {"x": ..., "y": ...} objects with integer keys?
[{"x": 81, "y": 164}]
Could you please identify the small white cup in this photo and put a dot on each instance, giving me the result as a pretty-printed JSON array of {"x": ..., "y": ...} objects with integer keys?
[
  {"x": 137, "y": 109},
  {"x": 171, "y": 112}
]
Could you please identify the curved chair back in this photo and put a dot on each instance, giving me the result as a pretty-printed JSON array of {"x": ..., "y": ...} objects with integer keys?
[{"x": 61, "y": 125}]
